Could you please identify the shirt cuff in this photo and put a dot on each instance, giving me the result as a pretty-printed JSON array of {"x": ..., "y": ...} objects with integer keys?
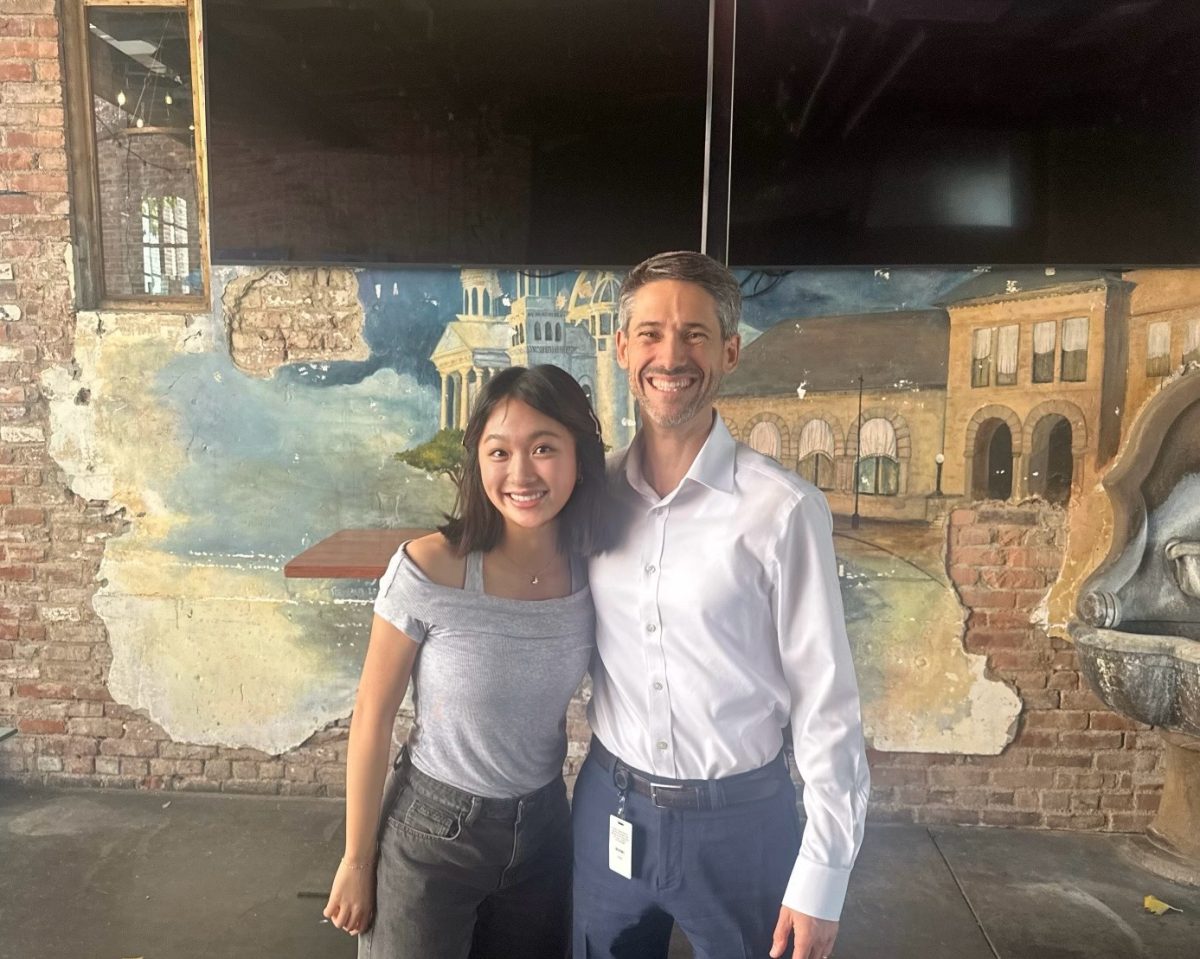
[{"x": 816, "y": 890}]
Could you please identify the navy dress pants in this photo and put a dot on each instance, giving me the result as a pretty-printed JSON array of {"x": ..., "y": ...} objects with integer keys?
[{"x": 720, "y": 874}]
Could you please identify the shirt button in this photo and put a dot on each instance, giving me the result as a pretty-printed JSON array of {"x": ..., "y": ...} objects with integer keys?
[
  {"x": 651, "y": 628},
  {"x": 661, "y": 744},
  {"x": 658, "y": 685},
  {"x": 650, "y": 569}
]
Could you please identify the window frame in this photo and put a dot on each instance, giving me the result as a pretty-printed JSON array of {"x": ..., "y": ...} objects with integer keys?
[{"x": 84, "y": 174}]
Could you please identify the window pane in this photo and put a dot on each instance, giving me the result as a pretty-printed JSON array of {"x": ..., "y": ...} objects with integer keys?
[
  {"x": 981, "y": 358},
  {"x": 1191, "y": 342},
  {"x": 140, "y": 65},
  {"x": 1006, "y": 355},
  {"x": 1158, "y": 349},
  {"x": 1074, "y": 349},
  {"x": 1044, "y": 335}
]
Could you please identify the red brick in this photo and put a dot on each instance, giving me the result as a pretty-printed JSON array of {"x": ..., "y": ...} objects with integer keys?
[
  {"x": 1009, "y": 817},
  {"x": 1074, "y": 821},
  {"x": 977, "y": 556},
  {"x": 1107, "y": 720},
  {"x": 1018, "y": 579},
  {"x": 1056, "y": 719},
  {"x": 964, "y": 575},
  {"x": 16, "y": 70},
  {"x": 42, "y": 726},
  {"x": 1128, "y": 821},
  {"x": 978, "y": 597},
  {"x": 1091, "y": 739},
  {"x": 1060, "y": 760},
  {"x": 24, "y": 516},
  {"x": 971, "y": 536}
]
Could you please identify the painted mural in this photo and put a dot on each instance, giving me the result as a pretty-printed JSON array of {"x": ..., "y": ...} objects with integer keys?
[{"x": 312, "y": 400}]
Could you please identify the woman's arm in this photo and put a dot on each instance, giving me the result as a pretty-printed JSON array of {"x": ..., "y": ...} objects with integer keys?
[{"x": 385, "y": 676}]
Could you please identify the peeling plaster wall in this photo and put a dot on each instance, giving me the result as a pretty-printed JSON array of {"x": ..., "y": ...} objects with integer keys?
[
  {"x": 287, "y": 316},
  {"x": 230, "y": 452},
  {"x": 222, "y": 477}
]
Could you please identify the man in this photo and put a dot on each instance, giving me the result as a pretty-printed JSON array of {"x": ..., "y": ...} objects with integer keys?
[{"x": 719, "y": 621}]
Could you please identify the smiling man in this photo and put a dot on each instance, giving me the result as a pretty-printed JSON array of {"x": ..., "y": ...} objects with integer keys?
[{"x": 719, "y": 622}]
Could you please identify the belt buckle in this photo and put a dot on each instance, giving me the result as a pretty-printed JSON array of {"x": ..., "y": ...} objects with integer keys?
[{"x": 655, "y": 787}]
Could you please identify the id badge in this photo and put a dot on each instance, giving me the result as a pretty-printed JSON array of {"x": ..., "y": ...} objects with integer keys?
[{"x": 620, "y": 846}]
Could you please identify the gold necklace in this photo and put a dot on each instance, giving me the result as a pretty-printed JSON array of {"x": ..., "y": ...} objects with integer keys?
[{"x": 535, "y": 577}]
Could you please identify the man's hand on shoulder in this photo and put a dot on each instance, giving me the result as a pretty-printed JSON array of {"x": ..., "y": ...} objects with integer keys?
[{"x": 813, "y": 937}]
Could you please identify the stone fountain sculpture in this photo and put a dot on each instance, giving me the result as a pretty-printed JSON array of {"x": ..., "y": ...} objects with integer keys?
[{"x": 1138, "y": 637}]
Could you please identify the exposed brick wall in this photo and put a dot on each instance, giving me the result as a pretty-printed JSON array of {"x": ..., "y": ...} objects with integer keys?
[
  {"x": 1073, "y": 764},
  {"x": 287, "y": 315}
]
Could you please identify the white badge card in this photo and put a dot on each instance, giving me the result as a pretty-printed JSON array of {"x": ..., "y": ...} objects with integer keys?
[{"x": 620, "y": 846}]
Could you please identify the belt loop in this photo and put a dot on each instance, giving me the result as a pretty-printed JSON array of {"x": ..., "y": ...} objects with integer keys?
[
  {"x": 400, "y": 756},
  {"x": 716, "y": 795}
]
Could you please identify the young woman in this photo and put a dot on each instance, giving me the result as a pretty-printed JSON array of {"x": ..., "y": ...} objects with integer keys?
[{"x": 492, "y": 617}]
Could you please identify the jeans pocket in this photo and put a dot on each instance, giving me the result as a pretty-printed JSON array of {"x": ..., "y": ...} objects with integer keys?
[{"x": 428, "y": 820}]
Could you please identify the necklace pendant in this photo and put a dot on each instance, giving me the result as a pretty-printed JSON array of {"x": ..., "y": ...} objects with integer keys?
[{"x": 534, "y": 581}]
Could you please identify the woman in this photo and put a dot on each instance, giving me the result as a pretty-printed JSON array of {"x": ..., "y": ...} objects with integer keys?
[{"x": 474, "y": 855}]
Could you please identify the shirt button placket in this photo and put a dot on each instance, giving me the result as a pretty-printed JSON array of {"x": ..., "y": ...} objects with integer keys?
[{"x": 660, "y": 702}]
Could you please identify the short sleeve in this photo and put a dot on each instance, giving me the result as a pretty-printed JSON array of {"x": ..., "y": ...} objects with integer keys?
[{"x": 395, "y": 598}]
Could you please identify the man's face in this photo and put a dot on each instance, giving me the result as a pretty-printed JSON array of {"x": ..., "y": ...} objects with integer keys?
[{"x": 674, "y": 353}]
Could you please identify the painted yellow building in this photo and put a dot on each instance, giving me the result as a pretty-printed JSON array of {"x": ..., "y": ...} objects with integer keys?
[
  {"x": 795, "y": 396},
  {"x": 1036, "y": 382}
]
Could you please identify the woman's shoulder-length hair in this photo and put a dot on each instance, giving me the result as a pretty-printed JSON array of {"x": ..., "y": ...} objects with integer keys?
[{"x": 584, "y": 524}]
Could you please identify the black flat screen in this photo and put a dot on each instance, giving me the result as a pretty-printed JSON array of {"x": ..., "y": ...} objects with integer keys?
[
  {"x": 966, "y": 131},
  {"x": 455, "y": 131}
]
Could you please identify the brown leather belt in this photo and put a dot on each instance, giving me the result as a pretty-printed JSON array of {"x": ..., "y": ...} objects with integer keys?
[{"x": 696, "y": 794}]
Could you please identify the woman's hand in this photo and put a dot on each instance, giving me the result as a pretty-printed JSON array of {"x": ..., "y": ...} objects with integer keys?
[{"x": 351, "y": 905}]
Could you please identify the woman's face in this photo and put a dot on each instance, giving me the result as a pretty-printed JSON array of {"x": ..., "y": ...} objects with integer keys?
[{"x": 527, "y": 463}]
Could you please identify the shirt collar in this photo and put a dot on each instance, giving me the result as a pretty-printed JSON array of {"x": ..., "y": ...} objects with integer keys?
[{"x": 712, "y": 467}]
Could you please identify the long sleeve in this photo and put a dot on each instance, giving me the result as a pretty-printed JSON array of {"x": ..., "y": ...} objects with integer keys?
[{"x": 825, "y": 713}]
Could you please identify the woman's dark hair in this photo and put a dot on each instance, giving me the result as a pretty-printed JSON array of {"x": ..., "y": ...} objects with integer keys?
[{"x": 583, "y": 524}]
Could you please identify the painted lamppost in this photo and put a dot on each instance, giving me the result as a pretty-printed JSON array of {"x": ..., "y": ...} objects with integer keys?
[
  {"x": 939, "y": 459},
  {"x": 857, "y": 458}
]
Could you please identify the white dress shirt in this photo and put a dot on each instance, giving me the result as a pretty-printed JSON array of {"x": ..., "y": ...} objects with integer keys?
[{"x": 718, "y": 621}]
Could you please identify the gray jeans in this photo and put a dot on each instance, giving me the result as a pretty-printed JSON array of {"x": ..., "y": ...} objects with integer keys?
[{"x": 463, "y": 876}]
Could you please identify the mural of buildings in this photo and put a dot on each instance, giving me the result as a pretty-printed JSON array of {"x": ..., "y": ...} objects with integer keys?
[
  {"x": 1014, "y": 386},
  {"x": 575, "y": 331}
]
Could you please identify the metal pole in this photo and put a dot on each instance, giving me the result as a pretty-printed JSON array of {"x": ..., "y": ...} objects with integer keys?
[{"x": 857, "y": 457}]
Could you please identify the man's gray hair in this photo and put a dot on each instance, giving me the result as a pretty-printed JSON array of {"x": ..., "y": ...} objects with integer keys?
[{"x": 713, "y": 277}]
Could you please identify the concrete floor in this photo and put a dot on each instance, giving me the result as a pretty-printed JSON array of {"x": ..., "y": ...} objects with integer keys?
[{"x": 113, "y": 875}]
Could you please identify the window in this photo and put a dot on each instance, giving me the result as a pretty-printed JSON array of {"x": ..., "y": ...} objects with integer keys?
[
  {"x": 816, "y": 454},
  {"x": 981, "y": 358},
  {"x": 1075, "y": 349},
  {"x": 765, "y": 438},
  {"x": 537, "y": 331},
  {"x": 1191, "y": 342},
  {"x": 133, "y": 97},
  {"x": 878, "y": 468},
  {"x": 1158, "y": 348},
  {"x": 1007, "y": 344},
  {"x": 1044, "y": 336},
  {"x": 557, "y": 332},
  {"x": 165, "y": 246}
]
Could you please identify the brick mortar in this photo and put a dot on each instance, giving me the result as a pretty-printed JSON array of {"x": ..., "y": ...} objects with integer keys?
[{"x": 1072, "y": 763}]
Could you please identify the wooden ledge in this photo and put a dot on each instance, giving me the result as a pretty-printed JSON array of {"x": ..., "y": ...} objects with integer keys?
[{"x": 350, "y": 554}]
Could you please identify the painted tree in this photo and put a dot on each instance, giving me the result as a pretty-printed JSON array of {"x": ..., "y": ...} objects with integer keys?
[{"x": 443, "y": 454}]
